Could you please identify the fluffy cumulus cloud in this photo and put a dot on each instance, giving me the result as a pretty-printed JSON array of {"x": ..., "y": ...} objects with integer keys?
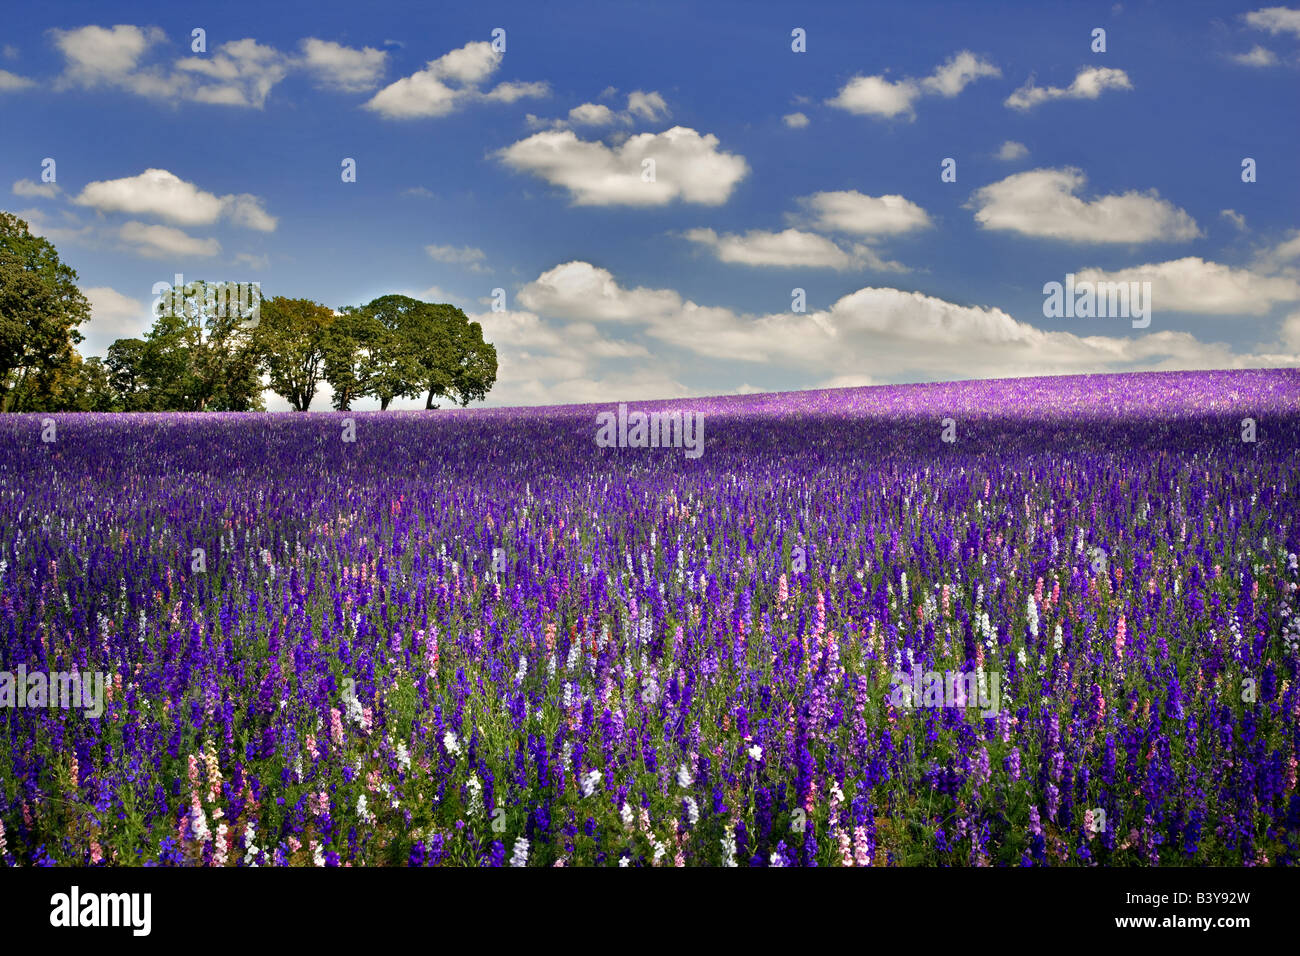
[
  {"x": 548, "y": 362},
  {"x": 873, "y": 334},
  {"x": 1089, "y": 84},
  {"x": 1043, "y": 203},
  {"x": 687, "y": 166},
  {"x": 795, "y": 120},
  {"x": 579, "y": 290},
  {"x": 1193, "y": 285},
  {"x": 850, "y": 211},
  {"x": 449, "y": 83},
  {"x": 878, "y": 96},
  {"x": 164, "y": 195},
  {"x": 343, "y": 68},
  {"x": 237, "y": 73}
]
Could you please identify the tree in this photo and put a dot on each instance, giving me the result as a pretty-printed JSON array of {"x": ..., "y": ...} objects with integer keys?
[
  {"x": 128, "y": 375},
  {"x": 429, "y": 349},
  {"x": 472, "y": 361},
  {"x": 401, "y": 325},
  {"x": 200, "y": 355},
  {"x": 291, "y": 340},
  {"x": 346, "y": 346},
  {"x": 40, "y": 309}
]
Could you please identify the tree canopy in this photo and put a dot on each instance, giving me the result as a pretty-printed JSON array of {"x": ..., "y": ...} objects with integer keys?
[{"x": 201, "y": 354}]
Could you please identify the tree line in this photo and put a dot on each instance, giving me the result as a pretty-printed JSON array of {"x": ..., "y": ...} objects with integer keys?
[{"x": 200, "y": 355}]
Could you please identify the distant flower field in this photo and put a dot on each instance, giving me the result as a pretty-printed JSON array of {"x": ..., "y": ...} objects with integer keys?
[{"x": 478, "y": 638}]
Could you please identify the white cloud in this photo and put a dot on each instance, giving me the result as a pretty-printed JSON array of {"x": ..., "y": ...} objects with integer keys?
[
  {"x": 244, "y": 72},
  {"x": 641, "y": 106},
  {"x": 164, "y": 195},
  {"x": 448, "y": 84},
  {"x": 1011, "y": 150},
  {"x": 112, "y": 316},
  {"x": 1275, "y": 20},
  {"x": 790, "y": 248},
  {"x": 29, "y": 188},
  {"x": 579, "y": 290},
  {"x": 959, "y": 72},
  {"x": 238, "y": 73},
  {"x": 1042, "y": 202},
  {"x": 464, "y": 255},
  {"x": 549, "y": 363},
  {"x": 592, "y": 114},
  {"x": 95, "y": 55},
  {"x": 1089, "y": 84},
  {"x": 12, "y": 81},
  {"x": 1193, "y": 285},
  {"x": 1281, "y": 256},
  {"x": 1258, "y": 56},
  {"x": 1234, "y": 217},
  {"x": 688, "y": 166},
  {"x": 872, "y": 334},
  {"x": 1291, "y": 332},
  {"x": 849, "y": 211},
  {"x": 39, "y": 223},
  {"x": 647, "y": 106},
  {"x": 161, "y": 242},
  {"x": 877, "y": 96},
  {"x": 795, "y": 120},
  {"x": 341, "y": 67}
]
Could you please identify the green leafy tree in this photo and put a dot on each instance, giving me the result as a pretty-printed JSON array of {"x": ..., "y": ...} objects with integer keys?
[
  {"x": 469, "y": 369},
  {"x": 201, "y": 356},
  {"x": 291, "y": 340},
  {"x": 128, "y": 375},
  {"x": 346, "y": 346},
  {"x": 401, "y": 328},
  {"x": 429, "y": 349},
  {"x": 40, "y": 309}
]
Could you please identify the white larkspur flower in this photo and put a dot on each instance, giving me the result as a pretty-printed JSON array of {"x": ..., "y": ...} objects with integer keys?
[
  {"x": 756, "y": 752},
  {"x": 684, "y": 778},
  {"x": 403, "y": 756},
  {"x": 451, "y": 743},
  {"x": 728, "y": 849},
  {"x": 589, "y": 781},
  {"x": 692, "y": 811},
  {"x": 519, "y": 857},
  {"x": 475, "y": 795}
]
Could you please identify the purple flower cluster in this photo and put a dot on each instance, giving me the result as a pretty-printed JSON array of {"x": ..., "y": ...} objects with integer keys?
[{"x": 476, "y": 638}]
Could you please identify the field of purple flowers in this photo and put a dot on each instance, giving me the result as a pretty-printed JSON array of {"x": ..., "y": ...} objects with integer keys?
[{"x": 476, "y": 638}]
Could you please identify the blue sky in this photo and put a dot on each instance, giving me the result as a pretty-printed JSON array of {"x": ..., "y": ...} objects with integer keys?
[{"x": 774, "y": 170}]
